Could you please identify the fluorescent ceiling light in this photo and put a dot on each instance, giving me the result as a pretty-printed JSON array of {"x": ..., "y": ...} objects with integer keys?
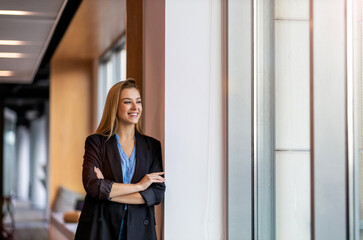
[
  {"x": 17, "y": 13},
  {"x": 12, "y": 42},
  {"x": 11, "y": 55},
  {"x": 25, "y": 13},
  {"x": 6, "y": 73}
]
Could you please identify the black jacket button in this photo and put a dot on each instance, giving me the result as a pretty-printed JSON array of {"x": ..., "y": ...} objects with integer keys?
[{"x": 146, "y": 222}]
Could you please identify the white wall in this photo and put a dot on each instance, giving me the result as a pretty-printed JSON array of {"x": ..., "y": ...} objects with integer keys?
[{"x": 194, "y": 121}]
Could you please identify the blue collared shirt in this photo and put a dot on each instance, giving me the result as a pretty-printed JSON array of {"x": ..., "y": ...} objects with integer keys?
[
  {"x": 127, "y": 164},
  {"x": 128, "y": 169}
]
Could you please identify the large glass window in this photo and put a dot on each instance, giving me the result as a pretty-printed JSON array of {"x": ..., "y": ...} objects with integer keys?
[
  {"x": 287, "y": 112},
  {"x": 112, "y": 69}
]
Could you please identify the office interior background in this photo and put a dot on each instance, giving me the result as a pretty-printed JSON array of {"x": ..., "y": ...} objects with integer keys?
[{"x": 258, "y": 105}]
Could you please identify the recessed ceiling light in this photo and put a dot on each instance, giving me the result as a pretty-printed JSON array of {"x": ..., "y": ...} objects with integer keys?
[
  {"x": 6, "y": 73},
  {"x": 12, "y": 42},
  {"x": 11, "y": 55}
]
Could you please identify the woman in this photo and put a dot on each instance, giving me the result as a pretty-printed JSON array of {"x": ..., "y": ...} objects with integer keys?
[{"x": 122, "y": 172}]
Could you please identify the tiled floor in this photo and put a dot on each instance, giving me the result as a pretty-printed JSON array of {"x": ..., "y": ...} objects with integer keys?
[{"x": 30, "y": 223}]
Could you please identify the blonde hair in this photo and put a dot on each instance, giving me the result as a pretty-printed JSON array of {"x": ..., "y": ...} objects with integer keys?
[{"x": 109, "y": 122}]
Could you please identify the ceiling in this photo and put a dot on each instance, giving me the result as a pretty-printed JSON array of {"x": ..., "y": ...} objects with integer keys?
[
  {"x": 30, "y": 30},
  {"x": 97, "y": 26},
  {"x": 26, "y": 29},
  {"x": 51, "y": 29}
]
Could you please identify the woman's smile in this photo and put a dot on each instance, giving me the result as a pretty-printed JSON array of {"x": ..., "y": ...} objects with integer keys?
[{"x": 130, "y": 106}]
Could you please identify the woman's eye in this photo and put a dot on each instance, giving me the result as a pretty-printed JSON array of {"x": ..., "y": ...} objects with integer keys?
[
  {"x": 127, "y": 102},
  {"x": 138, "y": 102}
]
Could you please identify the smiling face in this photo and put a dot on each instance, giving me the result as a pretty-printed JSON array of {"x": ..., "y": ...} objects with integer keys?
[{"x": 130, "y": 106}]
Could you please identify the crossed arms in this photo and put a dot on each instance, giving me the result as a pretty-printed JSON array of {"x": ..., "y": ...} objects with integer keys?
[
  {"x": 149, "y": 191},
  {"x": 129, "y": 193}
]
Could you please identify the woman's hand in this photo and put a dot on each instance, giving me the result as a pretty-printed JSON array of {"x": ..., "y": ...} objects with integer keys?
[
  {"x": 98, "y": 173},
  {"x": 150, "y": 178},
  {"x": 145, "y": 182}
]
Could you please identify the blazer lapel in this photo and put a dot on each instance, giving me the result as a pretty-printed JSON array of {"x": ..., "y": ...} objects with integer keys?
[
  {"x": 114, "y": 158},
  {"x": 141, "y": 151}
]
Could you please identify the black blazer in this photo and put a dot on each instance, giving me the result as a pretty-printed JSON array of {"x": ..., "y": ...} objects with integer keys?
[{"x": 101, "y": 218}]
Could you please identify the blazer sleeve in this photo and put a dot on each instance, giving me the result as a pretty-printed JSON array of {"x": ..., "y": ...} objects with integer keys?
[
  {"x": 155, "y": 193},
  {"x": 96, "y": 188}
]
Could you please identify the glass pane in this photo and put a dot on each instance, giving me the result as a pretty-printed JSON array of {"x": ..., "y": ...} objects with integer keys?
[
  {"x": 117, "y": 66},
  {"x": 282, "y": 108},
  {"x": 292, "y": 133},
  {"x": 123, "y": 64},
  {"x": 110, "y": 74},
  {"x": 329, "y": 106},
  {"x": 292, "y": 85},
  {"x": 101, "y": 90},
  {"x": 292, "y": 9},
  {"x": 293, "y": 195}
]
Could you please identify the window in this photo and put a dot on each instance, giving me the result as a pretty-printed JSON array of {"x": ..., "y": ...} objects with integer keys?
[
  {"x": 287, "y": 112},
  {"x": 112, "y": 69}
]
